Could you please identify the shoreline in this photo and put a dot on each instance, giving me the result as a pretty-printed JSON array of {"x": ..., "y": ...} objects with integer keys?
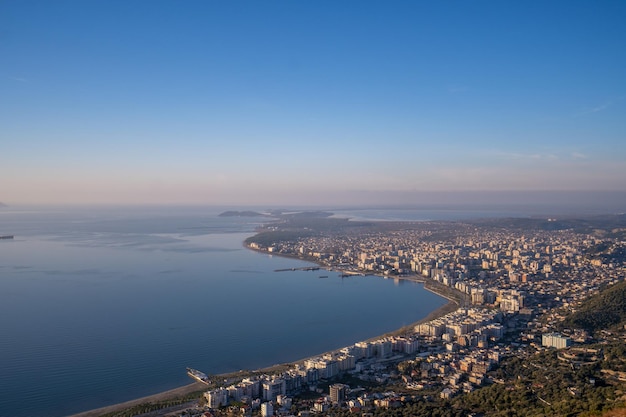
[
  {"x": 175, "y": 393},
  {"x": 160, "y": 396},
  {"x": 178, "y": 392}
]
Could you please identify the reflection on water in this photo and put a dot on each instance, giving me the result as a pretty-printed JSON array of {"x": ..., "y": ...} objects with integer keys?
[{"x": 101, "y": 307}]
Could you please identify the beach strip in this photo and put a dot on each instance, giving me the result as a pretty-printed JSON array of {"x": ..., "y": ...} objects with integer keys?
[{"x": 197, "y": 386}]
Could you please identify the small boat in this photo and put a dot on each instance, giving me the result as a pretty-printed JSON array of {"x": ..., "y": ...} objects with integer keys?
[{"x": 198, "y": 376}]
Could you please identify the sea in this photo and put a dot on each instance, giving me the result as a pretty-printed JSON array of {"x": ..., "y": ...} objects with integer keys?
[{"x": 100, "y": 305}]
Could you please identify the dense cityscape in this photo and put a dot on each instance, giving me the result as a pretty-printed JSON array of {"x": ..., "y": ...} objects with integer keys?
[
  {"x": 511, "y": 284},
  {"x": 455, "y": 171}
]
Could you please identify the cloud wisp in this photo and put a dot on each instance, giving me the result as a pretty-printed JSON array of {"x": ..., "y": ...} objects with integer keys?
[{"x": 602, "y": 107}]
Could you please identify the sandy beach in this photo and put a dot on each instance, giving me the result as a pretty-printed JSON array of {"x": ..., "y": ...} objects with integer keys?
[
  {"x": 166, "y": 395},
  {"x": 198, "y": 386}
]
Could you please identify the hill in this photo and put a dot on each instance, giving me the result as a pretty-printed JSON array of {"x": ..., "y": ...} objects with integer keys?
[{"x": 602, "y": 311}]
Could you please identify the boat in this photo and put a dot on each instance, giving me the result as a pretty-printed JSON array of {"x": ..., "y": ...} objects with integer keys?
[
  {"x": 198, "y": 376},
  {"x": 7, "y": 237}
]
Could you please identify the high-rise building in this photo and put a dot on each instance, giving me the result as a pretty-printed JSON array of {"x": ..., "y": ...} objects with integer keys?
[
  {"x": 272, "y": 389},
  {"x": 338, "y": 393},
  {"x": 267, "y": 409},
  {"x": 216, "y": 398},
  {"x": 555, "y": 340}
]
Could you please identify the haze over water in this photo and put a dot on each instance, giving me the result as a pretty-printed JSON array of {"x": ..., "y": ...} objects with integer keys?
[
  {"x": 99, "y": 306},
  {"x": 267, "y": 103}
]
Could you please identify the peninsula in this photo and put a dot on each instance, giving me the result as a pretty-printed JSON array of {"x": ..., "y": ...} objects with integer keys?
[{"x": 247, "y": 213}]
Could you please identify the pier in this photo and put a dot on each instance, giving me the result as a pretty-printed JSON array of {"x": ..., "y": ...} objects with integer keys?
[{"x": 306, "y": 268}]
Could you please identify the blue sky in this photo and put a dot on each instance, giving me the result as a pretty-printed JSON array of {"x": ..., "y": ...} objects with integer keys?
[{"x": 308, "y": 102}]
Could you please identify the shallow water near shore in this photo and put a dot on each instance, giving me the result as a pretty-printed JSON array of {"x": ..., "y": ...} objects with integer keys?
[{"x": 99, "y": 306}]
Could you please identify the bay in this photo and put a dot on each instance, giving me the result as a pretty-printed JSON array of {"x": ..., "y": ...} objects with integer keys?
[{"x": 100, "y": 305}]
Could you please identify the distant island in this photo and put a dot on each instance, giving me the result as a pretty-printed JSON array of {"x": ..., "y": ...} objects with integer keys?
[{"x": 246, "y": 213}]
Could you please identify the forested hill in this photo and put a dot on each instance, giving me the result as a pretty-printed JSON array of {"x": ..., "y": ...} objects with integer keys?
[{"x": 602, "y": 311}]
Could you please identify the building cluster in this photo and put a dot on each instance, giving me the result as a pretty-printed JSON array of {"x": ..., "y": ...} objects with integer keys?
[
  {"x": 459, "y": 349},
  {"x": 506, "y": 282},
  {"x": 464, "y": 327},
  {"x": 361, "y": 358},
  {"x": 529, "y": 272}
]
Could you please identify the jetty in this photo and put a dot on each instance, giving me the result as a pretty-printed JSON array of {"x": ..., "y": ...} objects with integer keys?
[{"x": 306, "y": 268}]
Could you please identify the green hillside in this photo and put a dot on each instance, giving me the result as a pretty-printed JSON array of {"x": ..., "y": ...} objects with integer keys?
[{"x": 602, "y": 311}]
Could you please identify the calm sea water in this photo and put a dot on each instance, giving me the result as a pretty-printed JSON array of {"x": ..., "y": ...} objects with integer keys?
[{"x": 102, "y": 305}]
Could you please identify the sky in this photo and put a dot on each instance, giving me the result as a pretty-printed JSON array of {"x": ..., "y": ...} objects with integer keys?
[{"x": 310, "y": 102}]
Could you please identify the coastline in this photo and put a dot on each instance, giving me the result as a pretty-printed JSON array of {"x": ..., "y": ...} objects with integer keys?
[
  {"x": 161, "y": 396},
  {"x": 177, "y": 393}
]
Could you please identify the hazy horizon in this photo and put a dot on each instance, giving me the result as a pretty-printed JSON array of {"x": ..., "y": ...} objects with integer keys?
[
  {"x": 313, "y": 103},
  {"x": 530, "y": 203}
]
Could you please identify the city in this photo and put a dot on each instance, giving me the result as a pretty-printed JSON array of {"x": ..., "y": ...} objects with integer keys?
[
  {"x": 455, "y": 171},
  {"x": 510, "y": 288}
]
